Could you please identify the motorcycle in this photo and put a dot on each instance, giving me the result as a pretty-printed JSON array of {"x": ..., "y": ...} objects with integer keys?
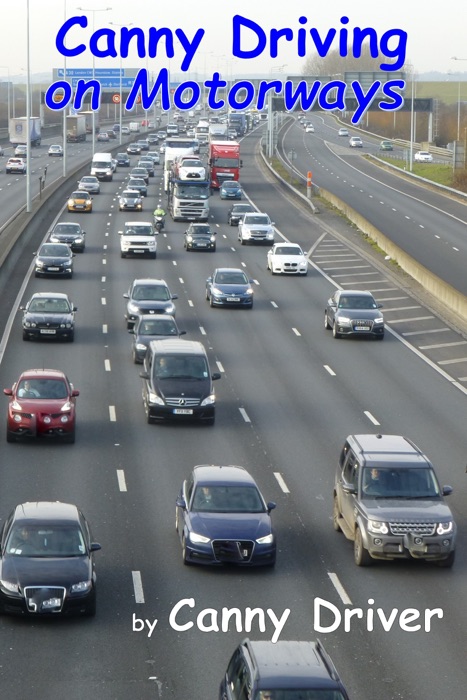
[{"x": 159, "y": 223}]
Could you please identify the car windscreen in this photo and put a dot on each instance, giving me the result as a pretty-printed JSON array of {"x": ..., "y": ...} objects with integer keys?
[
  {"x": 139, "y": 230},
  {"x": 151, "y": 293},
  {"x": 42, "y": 389},
  {"x": 348, "y": 302},
  {"x": 261, "y": 220},
  {"x": 404, "y": 483},
  {"x": 49, "y": 306},
  {"x": 67, "y": 228},
  {"x": 302, "y": 694},
  {"x": 231, "y": 278},
  {"x": 227, "y": 499},
  {"x": 175, "y": 367},
  {"x": 130, "y": 195},
  {"x": 288, "y": 250},
  {"x": 44, "y": 540},
  {"x": 157, "y": 326},
  {"x": 55, "y": 251}
]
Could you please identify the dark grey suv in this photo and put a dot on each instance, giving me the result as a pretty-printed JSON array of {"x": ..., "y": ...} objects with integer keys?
[
  {"x": 354, "y": 312},
  {"x": 388, "y": 501},
  {"x": 283, "y": 671}
]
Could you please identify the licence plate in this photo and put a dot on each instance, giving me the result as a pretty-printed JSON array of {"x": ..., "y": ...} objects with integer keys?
[
  {"x": 201, "y": 245},
  {"x": 53, "y": 269},
  {"x": 233, "y": 298},
  {"x": 138, "y": 250},
  {"x": 362, "y": 328},
  {"x": 79, "y": 206},
  {"x": 183, "y": 411},
  {"x": 49, "y": 331}
]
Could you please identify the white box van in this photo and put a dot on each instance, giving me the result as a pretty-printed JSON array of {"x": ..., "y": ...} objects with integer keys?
[
  {"x": 101, "y": 166},
  {"x": 134, "y": 127}
]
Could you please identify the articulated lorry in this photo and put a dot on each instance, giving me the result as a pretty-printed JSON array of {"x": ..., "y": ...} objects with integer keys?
[
  {"x": 75, "y": 128},
  {"x": 88, "y": 115},
  {"x": 18, "y": 131}
]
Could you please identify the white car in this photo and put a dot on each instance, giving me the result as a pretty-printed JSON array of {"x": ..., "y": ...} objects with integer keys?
[
  {"x": 255, "y": 227},
  {"x": 288, "y": 259},
  {"x": 15, "y": 165},
  {"x": 343, "y": 132},
  {"x": 55, "y": 150},
  {"x": 355, "y": 142},
  {"x": 423, "y": 157},
  {"x": 310, "y": 129}
]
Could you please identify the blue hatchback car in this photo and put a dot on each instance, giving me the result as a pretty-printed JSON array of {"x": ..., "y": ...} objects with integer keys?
[
  {"x": 229, "y": 286},
  {"x": 230, "y": 189},
  {"x": 222, "y": 518}
]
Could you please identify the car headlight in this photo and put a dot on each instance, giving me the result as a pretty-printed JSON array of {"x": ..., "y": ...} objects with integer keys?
[
  {"x": 380, "y": 319},
  {"x": 78, "y": 240},
  {"x": 155, "y": 398},
  {"x": 209, "y": 400},
  {"x": 39, "y": 263},
  {"x": 17, "y": 418},
  {"x": 30, "y": 324},
  {"x": 132, "y": 308},
  {"x": 141, "y": 346},
  {"x": 216, "y": 292},
  {"x": 377, "y": 528},
  {"x": 198, "y": 539},
  {"x": 54, "y": 239},
  {"x": 66, "y": 407},
  {"x": 267, "y": 539},
  {"x": 344, "y": 320},
  {"x": 71, "y": 202},
  {"x": 249, "y": 291},
  {"x": 444, "y": 528},
  {"x": 213, "y": 238},
  {"x": 9, "y": 587},
  {"x": 64, "y": 419},
  {"x": 81, "y": 587},
  {"x": 189, "y": 238}
]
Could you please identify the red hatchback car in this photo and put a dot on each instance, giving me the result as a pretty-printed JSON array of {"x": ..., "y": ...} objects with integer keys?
[{"x": 42, "y": 404}]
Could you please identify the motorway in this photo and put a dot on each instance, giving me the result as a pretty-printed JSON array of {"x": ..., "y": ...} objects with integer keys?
[
  {"x": 288, "y": 397},
  {"x": 425, "y": 223}
]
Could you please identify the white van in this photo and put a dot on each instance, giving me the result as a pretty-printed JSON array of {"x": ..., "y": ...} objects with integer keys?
[
  {"x": 101, "y": 166},
  {"x": 134, "y": 127}
]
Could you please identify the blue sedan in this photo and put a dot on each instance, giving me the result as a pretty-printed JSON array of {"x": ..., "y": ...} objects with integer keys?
[
  {"x": 229, "y": 286},
  {"x": 222, "y": 518},
  {"x": 230, "y": 189}
]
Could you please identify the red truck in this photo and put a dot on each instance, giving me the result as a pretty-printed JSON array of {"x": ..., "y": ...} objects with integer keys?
[{"x": 224, "y": 161}]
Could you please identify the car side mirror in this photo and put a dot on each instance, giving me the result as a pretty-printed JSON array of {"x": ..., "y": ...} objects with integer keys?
[
  {"x": 131, "y": 330},
  {"x": 95, "y": 546},
  {"x": 241, "y": 163},
  {"x": 215, "y": 375},
  {"x": 380, "y": 306},
  {"x": 174, "y": 296},
  {"x": 8, "y": 392},
  {"x": 209, "y": 279},
  {"x": 271, "y": 506},
  {"x": 120, "y": 233},
  {"x": 75, "y": 392},
  {"x": 331, "y": 303},
  {"x": 349, "y": 488},
  {"x": 182, "y": 333},
  {"x": 180, "y": 502},
  {"x": 75, "y": 308},
  {"x": 22, "y": 308},
  {"x": 447, "y": 490},
  {"x": 126, "y": 296},
  {"x": 144, "y": 375}
]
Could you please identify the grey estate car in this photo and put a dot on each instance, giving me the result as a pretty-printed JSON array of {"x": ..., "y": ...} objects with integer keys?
[
  {"x": 354, "y": 312},
  {"x": 388, "y": 501}
]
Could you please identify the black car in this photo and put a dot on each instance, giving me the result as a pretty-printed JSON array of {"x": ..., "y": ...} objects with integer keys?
[
  {"x": 47, "y": 561},
  {"x": 200, "y": 237},
  {"x": 140, "y": 172},
  {"x": 148, "y": 296},
  {"x": 143, "y": 144},
  {"x": 153, "y": 138},
  {"x": 54, "y": 260},
  {"x": 137, "y": 183},
  {"x": 222, "y": 518},
  {"x": 133, "y": 149},
  {"x": 283, "y": 670},
  {"x": 148, "y": 163},
  {"x": 236, "y": 213},
  {"x": 48, "y": 315},
  {"x": 70, "y": 233},
  {"x": 354, "y": 312},
  {"x": 229, "y": 286},
  {"x": 123, "y": 160},
  {"x": 151, "y": 327}
]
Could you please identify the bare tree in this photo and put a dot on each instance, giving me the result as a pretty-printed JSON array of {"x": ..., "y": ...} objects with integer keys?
[{"x": 334, "y": 64}]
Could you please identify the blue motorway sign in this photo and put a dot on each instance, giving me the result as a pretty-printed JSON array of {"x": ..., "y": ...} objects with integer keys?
[
  {"x": 106, "y": 82},
  {"x": 87, "y": 72}
]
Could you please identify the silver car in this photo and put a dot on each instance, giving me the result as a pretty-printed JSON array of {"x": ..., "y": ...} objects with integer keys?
[
  {"x": 89, "y": 183},
  {"x": 354, "y": 312}
]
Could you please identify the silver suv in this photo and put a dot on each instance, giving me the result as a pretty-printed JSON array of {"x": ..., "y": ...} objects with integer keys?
[
  {"x": 388, "y": 501},
  {"x": 255, "y": 227}
]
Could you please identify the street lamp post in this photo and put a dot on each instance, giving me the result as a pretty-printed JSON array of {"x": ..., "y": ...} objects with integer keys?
[
  {"x": 93, "y": 11},
  {"x": 114, "y": 24},
  {"x": 455, "y": 58}
]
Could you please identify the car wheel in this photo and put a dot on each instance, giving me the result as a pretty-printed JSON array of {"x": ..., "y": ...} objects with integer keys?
[
  {"x": 210, "y": 421},
  {"x": 380, "y": 337},
  {"x": 361, "y": 556},
  {"x": 176, "y": 518},
  {"x": 336, "y": 515},
  {"x": 335, "y": 333},
  {"x": 184, "y": 557},
  {"x": 25, "y": 336},
  {"x": 90, "y": 608},
  {"x": 10, "y": 437},
  {"x": 71, "y": 337},
  {"x": 448, "y": 562},
  {"x": 242, "y": 241},
  {"x": 154, "y": 256},
  {"x": 213, "y": 250},
  {"x": 122, "y": 255},
  {"x": 327, "y": 325},
  {"x": 211, "y": 302}
]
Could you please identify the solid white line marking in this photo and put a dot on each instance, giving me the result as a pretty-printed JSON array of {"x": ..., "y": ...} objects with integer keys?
[
  {"x": 203, "y": 332},
  {"x": 296, "y": 332},
  {"x": 281, "y": 482},
  {"x": 220, "y": 366},
  {"x": 452, "y": 362},
  {"x": 121, "y": 480},
  {"x": 342, "y": 593},
  {"x": 331, "y": 371},
  {"x": 138, "y": 586},
  {"x": 244, "y": 415},
  {"x": 112, "y": 414},
  {"x": 371, "y": 417},
  {"x": 107, "y": 365},
  {"x": 442, "y": 345},
  {"x": 433, "y": 330},
  {"x": 104, "y": 328}
]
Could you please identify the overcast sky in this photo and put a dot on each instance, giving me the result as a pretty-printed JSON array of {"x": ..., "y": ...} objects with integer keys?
[{"x": 432, "y": 41}]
